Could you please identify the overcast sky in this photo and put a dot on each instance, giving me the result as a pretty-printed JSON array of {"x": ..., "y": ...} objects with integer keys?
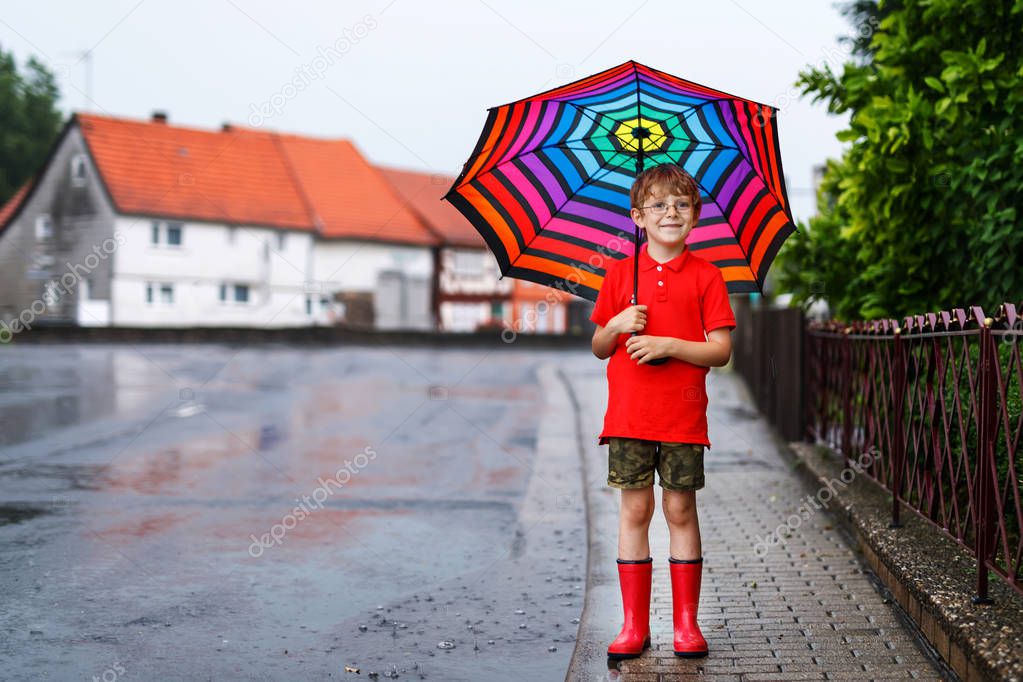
[{"x": 410, "y": 80}]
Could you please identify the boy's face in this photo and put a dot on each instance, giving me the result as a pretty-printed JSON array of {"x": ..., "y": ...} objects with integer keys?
[{"x": 667, "y": 217}]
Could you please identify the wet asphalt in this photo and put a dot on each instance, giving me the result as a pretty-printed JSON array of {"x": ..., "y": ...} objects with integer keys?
[{"x": 212, "y": 512}]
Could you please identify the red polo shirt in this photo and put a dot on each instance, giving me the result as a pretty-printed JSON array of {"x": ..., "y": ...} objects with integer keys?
[{"x": 685, "y": 297}]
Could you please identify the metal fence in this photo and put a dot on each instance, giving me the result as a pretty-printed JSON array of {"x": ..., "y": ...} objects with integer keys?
[
  {"x": 937, "y": 399},
  {"x": 767, "y": 351}
]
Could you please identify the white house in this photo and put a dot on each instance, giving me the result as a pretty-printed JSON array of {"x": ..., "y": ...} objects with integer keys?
[
  {"x": 469, "y": 292},
  {"x": 140, "y": 223}
]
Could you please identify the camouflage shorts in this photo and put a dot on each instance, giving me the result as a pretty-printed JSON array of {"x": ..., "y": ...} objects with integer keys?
[{"x": 631, "y": 464}]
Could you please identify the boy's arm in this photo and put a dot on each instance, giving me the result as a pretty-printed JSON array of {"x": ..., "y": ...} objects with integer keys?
[
  {"x": 632, "y": 319},
  {"x": 714, "y": 352},
  {"x": 603, "y": 342}
]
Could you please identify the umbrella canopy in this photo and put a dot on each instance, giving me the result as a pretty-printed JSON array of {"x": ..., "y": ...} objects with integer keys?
[{"x": 548, "y": 183}]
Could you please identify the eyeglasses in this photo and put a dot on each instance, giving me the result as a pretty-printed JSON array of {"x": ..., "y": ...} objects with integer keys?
[{"x": 661, "y": 207}]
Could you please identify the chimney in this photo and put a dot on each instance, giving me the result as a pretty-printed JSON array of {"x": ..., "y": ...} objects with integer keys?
[
  {"x": 226, "y": 127},
  {"x": 160, "y": 117}
]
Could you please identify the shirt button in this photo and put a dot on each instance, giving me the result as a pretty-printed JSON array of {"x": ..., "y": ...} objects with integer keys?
[
  {"x": 659, "y": 268},
  {"x": 660, "y": 284}
]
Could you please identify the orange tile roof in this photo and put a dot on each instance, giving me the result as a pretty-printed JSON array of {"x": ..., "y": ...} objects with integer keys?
[
  {"x": 423, "y": 192},
  {"x": 348, "y": 196},
  {"x": 246, "y": 176},
  {"x": 8, "y": 210}
]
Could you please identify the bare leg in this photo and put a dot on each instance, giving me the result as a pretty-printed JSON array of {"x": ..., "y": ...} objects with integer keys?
[
  {"x": 683, "y": 524},
  {"x": 636, "y": 511}
]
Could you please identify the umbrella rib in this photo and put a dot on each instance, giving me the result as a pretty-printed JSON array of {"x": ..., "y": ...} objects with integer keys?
[
  {"x": 679, "y": 120},
  {"x": 728, "y": 222},
  {"x": 690, "y": 108},
  {"x": 589, "y": 180},
  {"x": 666, "y": 136},
  {"x": 561, "y": 145},
  {"x": 681, "y": 116},
  {"x": 741, "y": 151},
  {"x": 583, "y": 110},
  {"x": 737, "y": 242}
]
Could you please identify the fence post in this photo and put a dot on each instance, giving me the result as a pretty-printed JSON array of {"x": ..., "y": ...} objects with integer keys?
[
  {"x": 809, "y": 388},
  {"x": 898, "y": 444},
  {"x": 847, "y": 392},
  {"x": 984, "y": 512}
]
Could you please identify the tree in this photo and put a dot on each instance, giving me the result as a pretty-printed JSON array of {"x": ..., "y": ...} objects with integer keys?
[
  {"x": 29, "y": 120},
  {"x": 921, "y": 212}
]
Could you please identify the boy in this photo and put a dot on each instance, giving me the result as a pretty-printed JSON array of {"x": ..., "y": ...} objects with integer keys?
[{"x": 657, "y": 414}]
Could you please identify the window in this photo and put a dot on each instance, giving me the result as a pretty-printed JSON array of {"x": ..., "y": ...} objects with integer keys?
[
  {"x": 468, "y": 263},
  {"x": 308, "y": 305},
  {"x": 239, "y": 293},
  {"x": 280, "y": 241},
  {"x": 78, "y": 170},
  {"x": 543, "y": 318},
  {"x": 44, "y": 228},
  {"x": 174, "y": 234},
  {"x": 496, "y": 310},
  {"x": 164, "y": 289},
  {"x": 171, "y": 233}
]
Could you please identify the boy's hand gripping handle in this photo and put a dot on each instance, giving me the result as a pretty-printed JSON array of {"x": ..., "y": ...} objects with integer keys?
[{"x": 655, "y": 361}]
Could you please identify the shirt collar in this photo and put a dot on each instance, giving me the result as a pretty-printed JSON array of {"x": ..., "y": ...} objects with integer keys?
[{"x": 646, "y": 262}]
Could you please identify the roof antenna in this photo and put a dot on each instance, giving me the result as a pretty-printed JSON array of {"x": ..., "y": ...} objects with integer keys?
[{"x": 83, "y": 56}]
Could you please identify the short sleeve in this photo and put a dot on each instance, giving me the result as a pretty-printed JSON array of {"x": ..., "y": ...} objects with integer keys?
[
  {"x": 606, "y": 306},
  {"x": 717, "y": 311}
]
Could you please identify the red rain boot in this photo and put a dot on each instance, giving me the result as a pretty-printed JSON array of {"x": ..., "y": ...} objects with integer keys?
[
  {"x": 634, "y": 578},
  {"x": 685, "y": 601}
]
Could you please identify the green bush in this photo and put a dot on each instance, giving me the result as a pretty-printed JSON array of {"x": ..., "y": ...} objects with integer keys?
[{"x": 921, "y": 213}]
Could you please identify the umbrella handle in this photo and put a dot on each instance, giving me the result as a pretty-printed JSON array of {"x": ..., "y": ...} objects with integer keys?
[
  {"x": 635, "y": 260},
  {"x": 655, "y": 361}
]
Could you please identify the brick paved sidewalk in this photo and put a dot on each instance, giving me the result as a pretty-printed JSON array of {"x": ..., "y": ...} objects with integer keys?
[{"x": 805, "y": 610}]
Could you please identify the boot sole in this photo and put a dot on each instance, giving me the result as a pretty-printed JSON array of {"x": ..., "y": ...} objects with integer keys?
[
  {"x": 625, "y": 656},
  {"x": 691, "y": 654}
]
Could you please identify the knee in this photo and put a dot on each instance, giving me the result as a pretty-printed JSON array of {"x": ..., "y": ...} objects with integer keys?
[
  {"x": 638, "y": 513},
  {"x": 679, "y": 511}
]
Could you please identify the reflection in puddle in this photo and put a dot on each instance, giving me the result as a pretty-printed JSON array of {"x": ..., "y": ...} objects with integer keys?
[
  {"x": 67, "y": 477},
  {"x": 16, "y": 513}
]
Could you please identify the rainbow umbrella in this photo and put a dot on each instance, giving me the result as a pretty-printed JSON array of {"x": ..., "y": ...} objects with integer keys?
[{"x": 548, "y": 183}]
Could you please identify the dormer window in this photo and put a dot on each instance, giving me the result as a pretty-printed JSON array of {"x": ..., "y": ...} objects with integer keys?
[{"x": 79, "y": 170}]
